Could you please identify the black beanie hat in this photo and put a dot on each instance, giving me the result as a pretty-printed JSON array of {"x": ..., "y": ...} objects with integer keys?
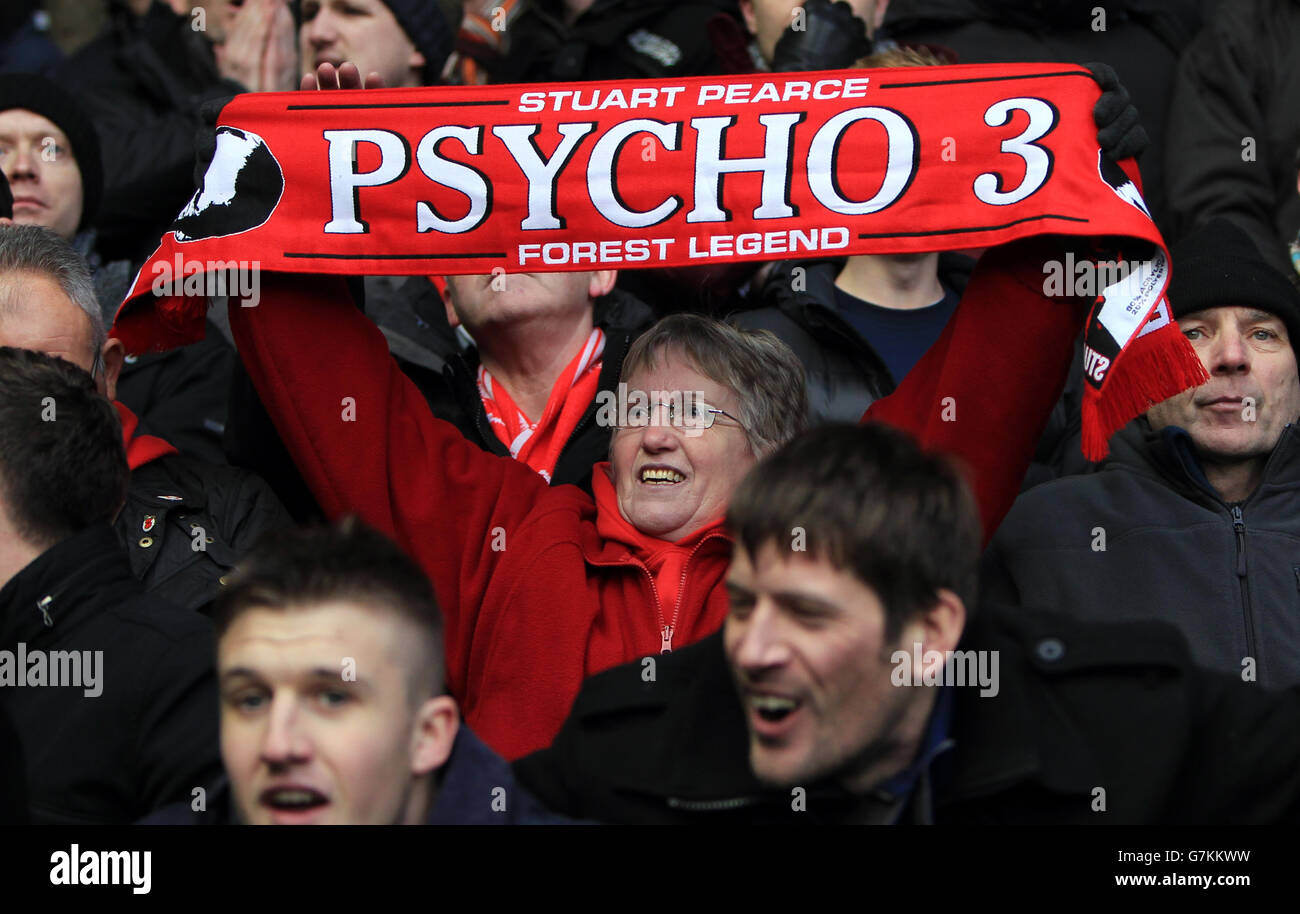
[
  {"x": 426, "y": 25},
  {"x": 6, "y": 198},
  {"x": 1218, "y": 265},
  {"x": 51, "y": 101}
]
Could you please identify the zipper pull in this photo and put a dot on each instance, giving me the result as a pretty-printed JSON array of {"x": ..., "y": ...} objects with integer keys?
[
  {"x": 42, "y": 605},
  {"x": 1239, "y": 524},
  {"x": 666, "y": 642}
]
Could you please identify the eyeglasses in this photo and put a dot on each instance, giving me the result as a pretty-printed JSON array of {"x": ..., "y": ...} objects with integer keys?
[{"x": 689, "y": 416}]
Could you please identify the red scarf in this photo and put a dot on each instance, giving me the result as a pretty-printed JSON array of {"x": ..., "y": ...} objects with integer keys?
[
  {"x": 539, "y": 443},
  {"x": 140, "y": 449},
  {"x": 666, "y": 559},
  {"x": 686, "y": 172}
]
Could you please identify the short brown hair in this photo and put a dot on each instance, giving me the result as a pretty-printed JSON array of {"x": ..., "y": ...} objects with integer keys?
[
  {"x": 867, "y": 499},
  {"x": 62, "y": 461},
  {"x": 349, "y": 561}
]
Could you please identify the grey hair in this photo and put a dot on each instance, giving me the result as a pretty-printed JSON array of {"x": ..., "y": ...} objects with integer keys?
[
  {"x": 763, "y": 372},
  {"x": 36, "y": 250}
]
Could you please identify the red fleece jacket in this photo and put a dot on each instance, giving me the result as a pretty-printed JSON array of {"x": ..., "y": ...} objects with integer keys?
[{"x": 536, "y": 597}]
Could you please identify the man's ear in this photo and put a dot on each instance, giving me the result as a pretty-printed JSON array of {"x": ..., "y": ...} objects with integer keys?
[
  {"x": 945, "y": 621},
  {"x": 416, "y": 65},
  {"x": 452, "y": 317},
  {"x": 602, "y": 283},
  {"x": 881, "y": 7},
  {"x": 747, "y": 12},
  {"x": 938, "y": 628},
  {"x": 436, "y": 724},
  {"x": 113, "y": 354}
]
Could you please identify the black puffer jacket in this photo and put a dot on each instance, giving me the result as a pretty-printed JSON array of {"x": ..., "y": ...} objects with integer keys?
[
  {"x": 1147, "y": 538},
  {"x": 144, "y": 733},
  {"x": 454, "y": 397},
  {"x": 1078, "y": 706},
  {"x": 845, "y": 374},
  {"x": 168, "y": 500},
  {"x": 614, "y": 39},
  {"x": 1234, "y": 125}
]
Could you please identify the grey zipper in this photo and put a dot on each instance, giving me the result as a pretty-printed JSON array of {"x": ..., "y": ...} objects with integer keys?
[
  {"x": 43, "y": 605},
  {"x": 711, "y": 805},
  {"x": 1239, "y": 526}
]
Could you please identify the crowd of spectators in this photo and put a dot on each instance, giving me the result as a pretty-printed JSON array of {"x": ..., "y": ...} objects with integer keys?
[{"x": 442, "y": 610}]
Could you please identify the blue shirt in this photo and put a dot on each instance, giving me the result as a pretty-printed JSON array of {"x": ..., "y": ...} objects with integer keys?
[
  {"x": 935, "y": 742},
  {"x": 899, "y": 336}
]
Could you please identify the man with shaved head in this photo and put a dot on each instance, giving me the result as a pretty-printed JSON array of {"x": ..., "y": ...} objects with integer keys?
[{"x": 334, "y": 708}]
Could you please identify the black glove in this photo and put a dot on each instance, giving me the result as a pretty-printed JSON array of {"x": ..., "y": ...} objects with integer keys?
[
  {"x": 833, "y": 38},
  {"x": 205, "y": 138},
  {"x": 1119, "y": 127}
]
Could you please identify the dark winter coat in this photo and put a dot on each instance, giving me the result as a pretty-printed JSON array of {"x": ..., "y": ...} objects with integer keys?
[
  {"x": 186, "y": 523},
  {"x": 614, "y": 39},
  {"x": 143, "y": 82},
  {"x": 845, "y": 374},
  {"x": 1079, "y": 707},
  {"x": 476, "y": 787},
  {"x": 13, "y": 780},
  {"x": 183, "y": 394},
  {"x": 150, "y": 736},
  {"x": 1147, "y": 538},
  {"x": 1234, "y": 125},
  {"x": 1141, "y": 40}
]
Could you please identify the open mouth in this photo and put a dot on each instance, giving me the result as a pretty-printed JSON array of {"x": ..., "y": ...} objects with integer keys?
[
  {"x": 661, "y": 476},
  {"x": 290, "y": 801},
  {"x": 773, "y": 709}
]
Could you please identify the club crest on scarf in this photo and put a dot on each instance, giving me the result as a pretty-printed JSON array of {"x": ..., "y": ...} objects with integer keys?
[{"x": 239, "y": 192}]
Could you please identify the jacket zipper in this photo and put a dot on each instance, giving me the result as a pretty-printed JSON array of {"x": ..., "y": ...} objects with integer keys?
[
  {"x": 1239, "y": 525},
  {"x": 43, "y": 605},
  {"x": 667, "y": 630},
  {"x": 667, "y": 646},
  {"x": 711, "y": 805}
]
